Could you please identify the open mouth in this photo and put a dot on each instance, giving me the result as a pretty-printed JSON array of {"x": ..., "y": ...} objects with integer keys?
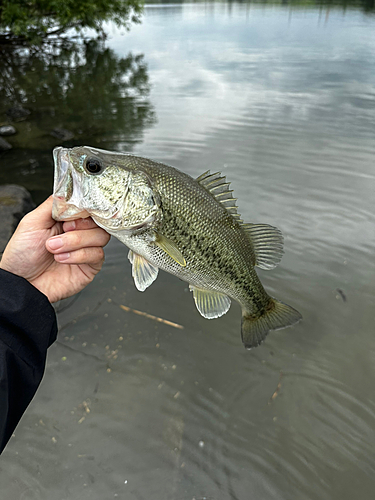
[{"x": 63, "y": 208}]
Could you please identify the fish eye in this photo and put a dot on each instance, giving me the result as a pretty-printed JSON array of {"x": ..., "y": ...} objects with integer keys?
[{"x": 93, "y": 166}]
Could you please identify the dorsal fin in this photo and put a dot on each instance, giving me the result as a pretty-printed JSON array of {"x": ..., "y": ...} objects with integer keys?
[
  {"x": 267, "y": 240},
  {"x": 218, "y": 187},
  {"x": 267, "y": 243}
]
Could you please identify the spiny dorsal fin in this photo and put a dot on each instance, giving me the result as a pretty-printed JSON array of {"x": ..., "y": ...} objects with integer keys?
[
  {"x": 267, "y": 242},
  {"x": 218, "y": 187}
]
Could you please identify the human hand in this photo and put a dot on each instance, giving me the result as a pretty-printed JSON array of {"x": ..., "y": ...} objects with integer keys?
[{"x": 59, "y": 259}]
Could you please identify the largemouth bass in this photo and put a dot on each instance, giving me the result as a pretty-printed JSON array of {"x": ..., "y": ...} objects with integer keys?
[{"x": 187, "y": 227}]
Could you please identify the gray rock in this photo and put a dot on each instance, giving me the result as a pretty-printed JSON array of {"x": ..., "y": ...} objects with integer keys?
[
  {"x": 15, "y": 202},
  {"x": 7, "y": 130},
  {"x": 17, "y": 113},
  {"x": 4, "y": 145},
  {"x": 62, "y": 134}
]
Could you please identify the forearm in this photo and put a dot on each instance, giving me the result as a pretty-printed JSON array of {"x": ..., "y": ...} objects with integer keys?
[{"x": 27, "y": 328}]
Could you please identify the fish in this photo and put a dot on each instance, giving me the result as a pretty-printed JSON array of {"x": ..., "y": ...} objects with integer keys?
[{"x": 188, "y": 227}]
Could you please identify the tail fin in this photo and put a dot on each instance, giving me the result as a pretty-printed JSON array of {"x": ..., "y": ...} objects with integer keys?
[{"x": 277, "y": 316}]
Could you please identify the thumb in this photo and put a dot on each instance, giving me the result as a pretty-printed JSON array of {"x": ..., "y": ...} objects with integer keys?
[{"x": 40, "y": 217}]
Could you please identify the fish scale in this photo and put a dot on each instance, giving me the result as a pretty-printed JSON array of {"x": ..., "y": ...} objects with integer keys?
[
  {"x": 187, "y": 227},
  {"x": 226, "y": 256}
]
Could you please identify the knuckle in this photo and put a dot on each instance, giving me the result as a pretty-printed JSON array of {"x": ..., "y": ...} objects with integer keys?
[
  {"x": 107, "y": 237},
  {"x": 104, "y": 238},
  {"x": 85, "y": 255},
  {"x": 75, "y": 239},
  {"x": 100, "y": 236},
  {"x": 99, "y": 254},
  {"x": 92, "y": 255},
  {"x": 86, "y": 223}
]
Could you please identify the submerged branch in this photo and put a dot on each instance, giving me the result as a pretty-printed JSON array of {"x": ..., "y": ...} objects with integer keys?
[{"x": 150, "y": 316}]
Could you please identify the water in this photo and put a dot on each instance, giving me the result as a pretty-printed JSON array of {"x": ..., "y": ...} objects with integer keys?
[{"x": 282, "y": 101}]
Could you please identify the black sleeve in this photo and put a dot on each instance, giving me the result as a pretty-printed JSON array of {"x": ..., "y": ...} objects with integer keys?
[{"x": 27, "y": 328}]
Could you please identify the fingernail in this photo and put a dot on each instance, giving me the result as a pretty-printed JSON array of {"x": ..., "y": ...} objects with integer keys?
[
  {"x": 69, "y": 226},
  {"x": 62, "y": 256},
  {"x": 55, "y": 243}
]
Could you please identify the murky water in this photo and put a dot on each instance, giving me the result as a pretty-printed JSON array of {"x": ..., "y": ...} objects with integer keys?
[{"x": 282, "y": 101}]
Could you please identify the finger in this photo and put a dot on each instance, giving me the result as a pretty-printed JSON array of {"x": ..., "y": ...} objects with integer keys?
[
  {"x": 71, "y": 225},
  {"x": 75, "y": 240},
  {"x": 93, "y": 256},
  {"x": 41, "y": 217}
]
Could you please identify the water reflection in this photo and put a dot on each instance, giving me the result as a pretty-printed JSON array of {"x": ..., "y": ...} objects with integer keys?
[
  {"x": 73, "y": 92},
  {"x": 83, "y": 87},
  {"x": 366, "y": 5}
]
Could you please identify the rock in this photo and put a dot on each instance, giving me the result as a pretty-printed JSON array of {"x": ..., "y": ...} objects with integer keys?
[
  {"x": 7, "y": 130},
  {"x": 15, "y": 202},
  {"x": 4, "y": 145},
  {"x": 62, "y": 134},
  {"x": 17, "y": 113}
]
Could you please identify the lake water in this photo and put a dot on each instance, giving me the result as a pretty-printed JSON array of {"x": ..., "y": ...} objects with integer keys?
[{"x": 282, "y": 101}]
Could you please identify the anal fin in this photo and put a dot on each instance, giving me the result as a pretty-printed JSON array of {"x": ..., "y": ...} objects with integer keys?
[
  {"x": 209, "y": 303},
  {"x": 143, "y": 272}
]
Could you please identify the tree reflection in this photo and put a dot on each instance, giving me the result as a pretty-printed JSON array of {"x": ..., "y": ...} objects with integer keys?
[
  {"x": 366, "y": 5},
  {"x": 83, "y": 87}
]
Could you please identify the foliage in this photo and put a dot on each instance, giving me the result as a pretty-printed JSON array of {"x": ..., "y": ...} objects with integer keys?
[{"x": 33, "y": 19}]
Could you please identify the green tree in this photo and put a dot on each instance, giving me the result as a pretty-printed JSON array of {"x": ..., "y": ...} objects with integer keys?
[{"x": 36, "y": 19}]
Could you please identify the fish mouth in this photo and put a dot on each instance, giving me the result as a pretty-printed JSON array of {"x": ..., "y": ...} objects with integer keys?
[
  {"x": 63, "y": 208},
  {"x": 63, "y": 211}
]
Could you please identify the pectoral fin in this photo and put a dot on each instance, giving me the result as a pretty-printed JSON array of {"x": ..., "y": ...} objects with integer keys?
[
  {"x": 143, "y": 272},
  {"x": 170, "y": 248},
  {"x": 209, "y": 303}
]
